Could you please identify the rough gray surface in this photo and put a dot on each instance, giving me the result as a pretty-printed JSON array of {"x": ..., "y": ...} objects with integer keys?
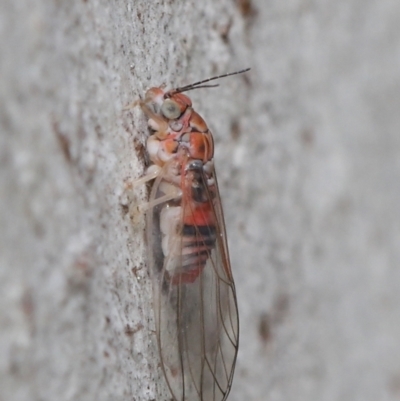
[{"x": 308, "y": 151}]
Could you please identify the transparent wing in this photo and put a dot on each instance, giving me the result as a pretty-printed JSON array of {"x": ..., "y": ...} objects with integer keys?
[{"x": 194, "y": 294}]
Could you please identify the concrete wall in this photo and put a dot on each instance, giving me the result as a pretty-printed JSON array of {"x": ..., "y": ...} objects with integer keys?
[{"x": 308, "y": 159}]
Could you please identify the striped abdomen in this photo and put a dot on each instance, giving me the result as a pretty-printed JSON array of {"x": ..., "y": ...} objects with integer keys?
[{"x": 197, "y": 245}]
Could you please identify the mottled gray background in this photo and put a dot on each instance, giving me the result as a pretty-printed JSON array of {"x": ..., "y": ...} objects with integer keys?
[{"x": 308, "y": 159}]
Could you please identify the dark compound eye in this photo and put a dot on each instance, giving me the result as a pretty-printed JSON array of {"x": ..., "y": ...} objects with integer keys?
[{"x": 170, "y": 109}]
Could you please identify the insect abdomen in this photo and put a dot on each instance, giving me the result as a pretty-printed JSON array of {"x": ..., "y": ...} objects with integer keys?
[{"x": 197, "y": 245}]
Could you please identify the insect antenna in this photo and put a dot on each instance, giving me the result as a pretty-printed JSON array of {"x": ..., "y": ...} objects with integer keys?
[{"x": 198, "y": 85}]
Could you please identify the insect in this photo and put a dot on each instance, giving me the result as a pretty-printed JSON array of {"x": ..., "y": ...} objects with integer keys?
[{"x": 196, "y": 314}]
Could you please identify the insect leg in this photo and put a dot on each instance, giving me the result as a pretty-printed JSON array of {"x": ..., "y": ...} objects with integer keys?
[
  {"x": 127, "y": 195},
  {"x": 156, "y": 121},
  {"x": 151, "y": 174},
  {"x": 173, "y": 194}
]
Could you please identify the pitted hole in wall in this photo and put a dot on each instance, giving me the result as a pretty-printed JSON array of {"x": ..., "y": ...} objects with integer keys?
[
  {"x": 269, "y": 320},
  {"x": 246, "y": 8}
]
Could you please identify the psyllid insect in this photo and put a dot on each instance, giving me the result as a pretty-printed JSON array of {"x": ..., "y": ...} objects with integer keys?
[{"x": 195, "y": 304}]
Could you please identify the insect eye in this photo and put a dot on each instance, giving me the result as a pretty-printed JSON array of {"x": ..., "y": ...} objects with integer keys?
[{"x": 170, "y": 109}]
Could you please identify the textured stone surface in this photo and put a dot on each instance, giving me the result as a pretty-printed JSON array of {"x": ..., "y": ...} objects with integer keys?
[{"x": 308, "y": 151}]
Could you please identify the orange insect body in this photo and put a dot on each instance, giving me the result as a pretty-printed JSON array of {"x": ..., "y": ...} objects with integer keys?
[
  {"x": 187, "y": 129},
  {"x": 194, "y": 294}
]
